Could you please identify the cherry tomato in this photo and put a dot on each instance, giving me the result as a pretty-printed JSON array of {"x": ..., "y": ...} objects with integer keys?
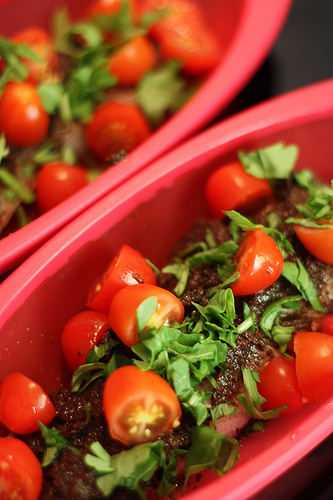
[
  {"x": 81, "y": 333},
  {"x": 139, "y": 406},
  {"x": 20, "y": 471},
  {"x": 278, "y": 385},
  {"x": 127, "y": 268},
  {"x": 116, "y": 127},
  {"x": 133, "y": 60},
  {"x": 259, "y": 263},
  {"x": 23, "y": 404},
  {"x": 314, "y": 364},
  {"x": 108, "y": 8},
  {"x": 325, "y": 324},
  {"x": 232, "y": 188},
  {"x": 23, "y": 119},
  {"x": 319, "y": 242},
  {"x": 183, "y": 34},
  {"x": 57, "y": 181},
  {"x": 40, "y": 42},
  {"x": 122, "y": 317}
]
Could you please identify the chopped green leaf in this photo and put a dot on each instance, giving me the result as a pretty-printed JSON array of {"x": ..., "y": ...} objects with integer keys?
[
  {"x": 319, "y": 204},
  {"x": 151, "y": 17},
  {"x": 181, "y": 270},
  {"x": 4, "y": 149},
  {"x": 12, "y": 54},
  {"x": 297, "y": 275},
  {"x": 222, "y": 410},
  {"x": 90, "y": 35},
  {"x": 145, "y": 311},
  {"x": 273, "y": 162},
  {"x": 61, "y": 25},
  {"x": 19, "y": 188},
  {"x": 51, "y": 95},
  {"x": 250, "y": 379},
  {"x": 308, "y": 223},
  {"x": 253, "y": 411},
  {"x": 46, "y": 153},
  {"x": 55, "y": 444}
]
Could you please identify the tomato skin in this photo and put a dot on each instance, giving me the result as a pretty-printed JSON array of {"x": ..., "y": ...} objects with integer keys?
[
  {"x": 20, "y": 471},
  {"x": 56, "y": 182},
  {"x": 326, "y": 324},
  {"x": 23, "y": 119},
  {"x": 314, "y": 364},
  {"x": 116, "y": 127},
  {"x": 40, "y": 42},
  {"x": 231, "y": 188},
  {"x": 278, "y": 385},
  {"x": 129, "y": 394},
  {"x": 133, "y": 60},
  {"x": 122, "y": 316},
  {"x": 23, "y": 403},
  {"x": 259, "y": 263},
  {"x": 81, "y": 333},
  {"x": 318, "y": 242},
  {"x": 107, "y": 8},
  {"x": 127, "y": 268}
]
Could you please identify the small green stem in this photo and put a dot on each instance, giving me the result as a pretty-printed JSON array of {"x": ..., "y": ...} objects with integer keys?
[
  {"x": 23, "y": 192},
  {"x": 21, "y": 216}
]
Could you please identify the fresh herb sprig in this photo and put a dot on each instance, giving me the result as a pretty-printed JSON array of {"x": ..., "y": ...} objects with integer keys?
[{"x": 12, "y": 54}]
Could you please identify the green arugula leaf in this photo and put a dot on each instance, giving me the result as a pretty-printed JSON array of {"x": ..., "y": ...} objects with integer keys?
[
  {"x": 298, "y": 276},
  {"x": 273, "y": 162},
  {"x": 4, "y": 149},
  {"x": 12, "y": 54},
  {"x": 319, "y": 204},
  {"x": 304, "y": 179},
  {"x": 51, "y": 95},
  {"x": 181, "y": 270},
  {"x": 250, "y": 379},
  {"x": 145, "y": 311},
  {"x": 55, "y": 444}
]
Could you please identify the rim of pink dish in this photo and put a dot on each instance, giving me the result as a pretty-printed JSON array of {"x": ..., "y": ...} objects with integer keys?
[
  {"x": 306, "y": 106},
  {"x": 246, "y": 51}
]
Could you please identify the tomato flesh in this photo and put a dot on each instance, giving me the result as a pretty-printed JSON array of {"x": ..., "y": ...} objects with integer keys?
[
  {"x": 108, "y": 8},
  {"x": 126, "y": 269},
  {"x": 318, "y": 242},
  {"x": 139, "y": 406},
  {"x": 326, "y": 324},
  {"x": 23, "y": 404}
]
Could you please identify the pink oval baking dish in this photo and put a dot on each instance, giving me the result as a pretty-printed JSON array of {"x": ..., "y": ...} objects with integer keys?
[
  {"x": 236, "y": 23},
  {"x": 150, "y": 212}
]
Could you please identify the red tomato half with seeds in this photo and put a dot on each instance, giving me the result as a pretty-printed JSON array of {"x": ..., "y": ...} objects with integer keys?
[
  {"x": 20, "y": 471},
  {"x": 81, "y": 333},
  {"x": 139, "y": 406},
  {"x": 116, "y": 127},
  {"x": 318, "y": 242},
  {"x": 259, "y": 263},
  {"x": 23, "y": 119},
  {"x": 127, "y": 268},
  {"x": 23, "y": 404},
  {"x": 232, "y": 188}
]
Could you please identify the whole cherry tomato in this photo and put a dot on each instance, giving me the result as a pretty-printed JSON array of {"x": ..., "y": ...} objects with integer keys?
[
  {"x": 314, "y": 364},
  {"x": 259, "y": 263},
  {"x": 23, "y": 404},
  {"x": 57, "y": 181},
  {"x": 81, "y": 333},
  {"x": 139, "y": 406},
  {"x": 133, "y": 60},
  {"x": 108, "y": 8},
  {"x": 232, "y": 188},
  {"x": 278, "y": 385},
  {"x": 20, "y": 471},
  {"x": 122, "y": 317},
  {"x": 127, "y": 268},
  {"x": 318, "y": 242},
  {"x": 23, "y": 119},
  {"x": 40, "y": 42},
  {"x": 116, "y": 127},
  {"x": 326, "y": 324}
]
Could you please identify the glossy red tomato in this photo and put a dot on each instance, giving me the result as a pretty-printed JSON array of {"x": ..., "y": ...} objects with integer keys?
[
  {"x": 133, "y": 60},
  {"x": 278, "y": 385},
  {"x": 127, "y": 268},
  {"x": 183, "y": 34},
  {"x": 232, "y": 188},
  {"x": 56, "y": 182},
  {"x": 81, "y": 333},
  {"x": 23, "y": 119},
  {"x": 326, "y": 324},
  {"x": 108, "y": 8},
  {"x": 314, "y": 364},
  {"x": 116, "y": 127},
  {"x": 139, "y": 406},
  {"x": 23, "y": 404},
  {"x": 259, "y": 263},
  {"x": 40, "y": 42},
  {"x": 20, "y": 471},
  {"x": 122, "y": 317},
  {"x": 319, "y": 242}
]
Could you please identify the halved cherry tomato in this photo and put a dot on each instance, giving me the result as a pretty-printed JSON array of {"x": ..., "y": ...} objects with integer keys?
[
  {"x": 81, "y": 333},
  {"x": 232, "y": 188},
  {"x": 116, "y": 127},
  {"x": 314, "y": 364},
  {"x": 23, "y": 404},
  {"x": 127, "y": 268},
  {"x": 122, "y": 317},
  {"x": 40, "y": 42},
  {"x": 183, "y": 34},
  {"x": 259, "y": 263},
  {"x": 326, "y": 324},
  {"x": 139, "y": 406},
  {"x": 133, "y": 60},
  {"x": 23, "y": 119},
  {"x": 319, "y": 242},
  {"x": 20, "y": 471},
  {"x": 107, "y": 8},
  {"x": 278, "y": 385},
  {"x": 57, "y": 181}
]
